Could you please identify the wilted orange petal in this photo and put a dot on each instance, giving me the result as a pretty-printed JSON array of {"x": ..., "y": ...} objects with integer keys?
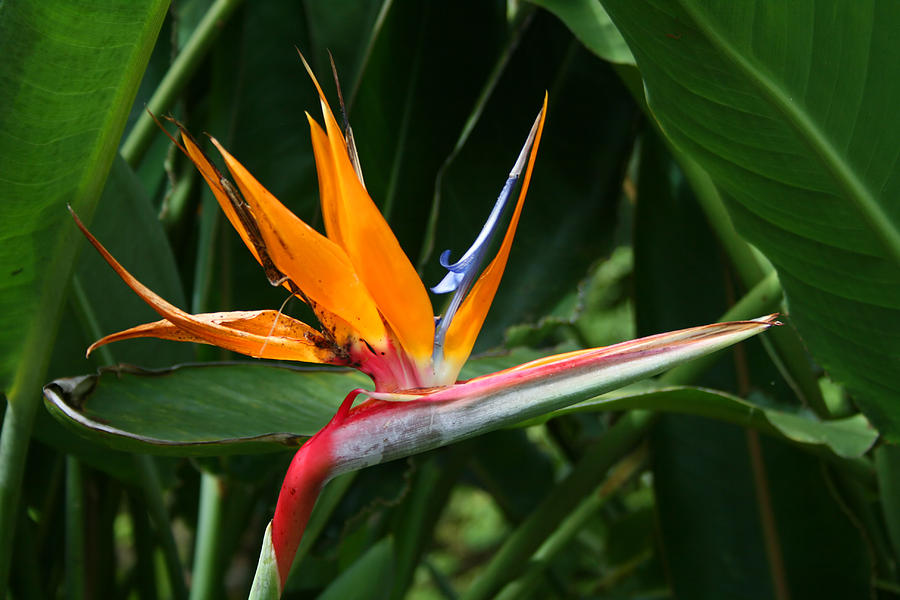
[
  {"x": 271, "y": 335},
  {"x": 211, "y": 331},
  {"x": 316, "y": 264},
  {"x": 353, "y": 221},
  {"x": 468, "y": 320}
]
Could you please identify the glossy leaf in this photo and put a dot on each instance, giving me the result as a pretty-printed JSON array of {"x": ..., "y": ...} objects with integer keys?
[
  {"x": 592, "y": 26},
  {"x": 850, "y": 437},
  {"x": 203, "y": 409},
  {"x": 66, "y": 83},
  {"x": 790, "y": 108}
]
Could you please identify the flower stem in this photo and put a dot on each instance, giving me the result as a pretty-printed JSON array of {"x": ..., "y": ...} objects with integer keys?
[
  {"x": 152, "y": 489},
  {"x": 788, "y": 352},
  {"x": 525, "y": 586},
  {"x": 74, "y": 530},
  {"x": 560, "y": 503},
  {"x": 205, "y": 581},
  {"x": 14, "y": 440},
  {"x": 182, "y": 69}
]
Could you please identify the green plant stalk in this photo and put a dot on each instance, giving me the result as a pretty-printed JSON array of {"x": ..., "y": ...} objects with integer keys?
[
  {"x": 205, "y": 581},
  {"x": 74, "y": 530},
  {"x": 751, "y": 268},
  {"x": 27, "y": 567},
  {"x": 527, "y": 585},
  {"x": 144, "y": 465},
  {"x": 182, "y": 69},
  {"x": 887, "y": 465},
  {"x": 17, "y": 423},
  {"x": 143, "y": 574},
  {"x": 151, "y": 487},
  {"x": 529, "y": 536}
]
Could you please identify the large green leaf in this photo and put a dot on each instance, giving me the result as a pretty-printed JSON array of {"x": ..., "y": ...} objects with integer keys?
[
  {"x": 202, "y": 410},
  {"x": 592, "y": 26},
  {"x": 261, "y": 407},
  {"x": 791, "y": 109},
  {"x": 68, "y": 74},
  {"x": 713, "y": 504}
]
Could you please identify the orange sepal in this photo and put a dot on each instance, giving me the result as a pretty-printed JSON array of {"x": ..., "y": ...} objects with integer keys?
[
  {"x": 271, "y": 335},
  {"x": 208, "y": 330},
  {"x": 355, "y": 223},
  {"x": 318, "y": 266},
  {"x": 468, "y": 320}
]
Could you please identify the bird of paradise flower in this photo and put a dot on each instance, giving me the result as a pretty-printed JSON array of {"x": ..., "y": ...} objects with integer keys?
[{"x": 376, "y": 316}]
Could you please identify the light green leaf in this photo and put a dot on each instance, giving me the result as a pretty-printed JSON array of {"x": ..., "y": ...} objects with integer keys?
[
  {"x": 68, "y": 74},
  {"x": 791, "y": 107},
  {"x": 850, "y": 437},
  {"x": 592, "y": 26}
]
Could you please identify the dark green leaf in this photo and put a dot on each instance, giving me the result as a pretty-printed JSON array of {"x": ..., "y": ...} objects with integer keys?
[
  {"x": 370, "y": 577},
  {"x": 712, "y": 506},
  {"x": 204, "y": 409},
  {"x": 790, "y": 108}
]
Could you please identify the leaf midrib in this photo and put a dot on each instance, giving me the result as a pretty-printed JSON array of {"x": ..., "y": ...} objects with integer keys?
[{"x": 834, "y": 162}]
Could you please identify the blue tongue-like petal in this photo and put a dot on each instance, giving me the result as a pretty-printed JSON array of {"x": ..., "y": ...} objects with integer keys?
[{"x": 462, "y": 274}]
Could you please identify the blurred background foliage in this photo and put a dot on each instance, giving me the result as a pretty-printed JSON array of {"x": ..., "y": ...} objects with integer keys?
[{"x": 659, "y": 141}]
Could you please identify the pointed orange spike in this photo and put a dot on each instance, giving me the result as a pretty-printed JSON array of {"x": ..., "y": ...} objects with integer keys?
[
  {"x": 210, "y": 331},
  {"x": 214, "y": 180},
  {"x": 328, "y": 186},
  {"x": 354, "y": 222},
  {"x": 467, "y": 323},
  {"x": 317, "y": 265},
  {"x": 272, "y": 335}
]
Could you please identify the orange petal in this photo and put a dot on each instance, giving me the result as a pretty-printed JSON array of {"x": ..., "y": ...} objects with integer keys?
[
  {"x": 318, "y": 266},
  {"x": 467, "y": 323},
  {"x": 271, "y": 335},
  {"x": 245, "y": 339},
  {"x": 214, "y": 179},
  {"x": 353, "y": 221}
]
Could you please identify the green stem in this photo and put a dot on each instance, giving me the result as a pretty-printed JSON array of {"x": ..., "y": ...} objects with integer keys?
[
  {"x": 27, "y": 581},
  {"x": 182, "y": 69},
  {"x": 152, "y": 488},
  {"x": 787, "y": 351},
  {"x": 14, "y": 440},
  {"x": 527, "y": 585},
  {"x": 206, "y": 581},
  {"x": 144, "y": 575},
  {"x": 528, "y": 537},
  {"x": 144, "y": 465},
  {"x": 74, "y": 530}
]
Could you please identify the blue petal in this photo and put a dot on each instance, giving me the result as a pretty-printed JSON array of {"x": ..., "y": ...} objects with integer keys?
[{"x": 462, "y": 274}]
